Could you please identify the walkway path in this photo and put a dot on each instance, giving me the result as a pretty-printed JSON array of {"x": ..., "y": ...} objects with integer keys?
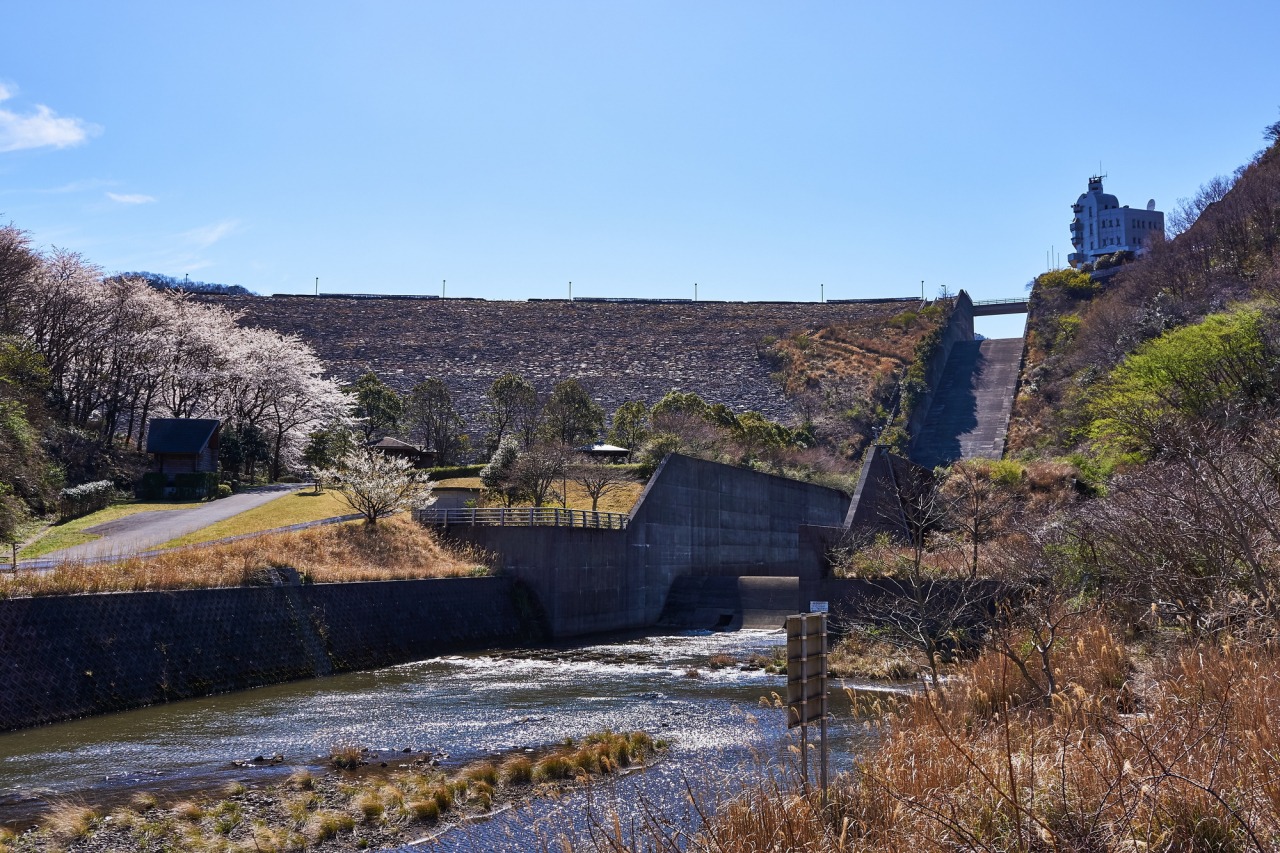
[
  {"x": 970, "y": 412},
  {"x": 144, "y": 530}
]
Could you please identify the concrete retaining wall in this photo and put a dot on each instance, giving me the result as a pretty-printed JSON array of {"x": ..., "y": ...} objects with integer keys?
[
  {"x": 959, "y": 328},
  {"x": 694, "y": 518},
  {"x": 71, "y": 656}
]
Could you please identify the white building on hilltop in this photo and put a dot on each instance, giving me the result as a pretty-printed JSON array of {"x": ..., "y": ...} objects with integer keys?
[{"x": 1101, "y": 226}]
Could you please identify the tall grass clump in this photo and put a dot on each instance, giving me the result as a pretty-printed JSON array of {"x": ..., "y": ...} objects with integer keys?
[
  {"x": 70, "y": 821},
  {"x": 517, "y": 770}
]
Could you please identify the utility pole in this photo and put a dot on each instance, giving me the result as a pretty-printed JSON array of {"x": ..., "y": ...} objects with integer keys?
[
  {"x": 443, "y": 282},
  {"x": 922, "y": 290},
  {"x": 317, "y": 285},
  {"x": 570, "y": 291},
  {"x": 822, "y": 293},
  {"x": 695, "y": 291}
]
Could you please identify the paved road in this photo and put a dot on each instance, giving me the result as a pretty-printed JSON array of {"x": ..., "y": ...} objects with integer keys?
[{"x": 144, "y": 530}]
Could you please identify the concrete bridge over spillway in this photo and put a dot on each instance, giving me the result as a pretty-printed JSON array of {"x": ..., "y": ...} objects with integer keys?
[{"x": 996, "y": 307}]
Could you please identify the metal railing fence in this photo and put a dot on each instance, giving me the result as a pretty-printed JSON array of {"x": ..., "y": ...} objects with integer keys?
[{"x": 524, "y": 516}]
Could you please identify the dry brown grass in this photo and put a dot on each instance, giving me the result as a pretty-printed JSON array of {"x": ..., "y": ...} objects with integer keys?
[
  {"x": 865, "y": 351},
  {"x": 396, "y": 548},
  {"x": 1191, "y": 762},
  {"x": 859, "y": 656},
  {"x": 70, "y": 821}
]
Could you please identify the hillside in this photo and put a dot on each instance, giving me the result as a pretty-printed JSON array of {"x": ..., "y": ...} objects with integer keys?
[{"x": 1227, "y": 253}]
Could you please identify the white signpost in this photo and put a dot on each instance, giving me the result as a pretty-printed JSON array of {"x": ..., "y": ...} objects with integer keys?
[{"x": 807, "y": 685}]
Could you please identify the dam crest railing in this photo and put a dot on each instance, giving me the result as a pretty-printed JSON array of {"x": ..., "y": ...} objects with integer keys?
[{"x": 523, "y": 517}]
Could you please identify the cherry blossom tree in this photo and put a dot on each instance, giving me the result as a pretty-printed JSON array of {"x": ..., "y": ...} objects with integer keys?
[{"x": 376, "y": 485}]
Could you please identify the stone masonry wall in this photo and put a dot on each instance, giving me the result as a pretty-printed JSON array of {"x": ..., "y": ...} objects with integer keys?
[{"x": 70, "y": 656}]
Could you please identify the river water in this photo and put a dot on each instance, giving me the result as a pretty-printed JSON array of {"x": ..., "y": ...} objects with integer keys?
[{"x": 467, "y": 706}]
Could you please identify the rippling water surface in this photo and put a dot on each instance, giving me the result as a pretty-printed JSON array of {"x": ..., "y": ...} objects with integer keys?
[{"x": 466, "y": 706}]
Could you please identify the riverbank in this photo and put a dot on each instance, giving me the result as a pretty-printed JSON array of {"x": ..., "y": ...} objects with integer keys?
[{"x": 105, "y": 653}]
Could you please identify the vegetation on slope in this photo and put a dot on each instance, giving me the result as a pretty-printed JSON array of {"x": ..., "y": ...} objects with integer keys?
[
  {"x": 1227, "y": 253},
  {"x": 295, "y": 508},
  {"x": 845, "y": 380}
]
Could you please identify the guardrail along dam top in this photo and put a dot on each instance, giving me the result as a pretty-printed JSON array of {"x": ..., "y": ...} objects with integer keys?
[{"x": 619, "y": 350}]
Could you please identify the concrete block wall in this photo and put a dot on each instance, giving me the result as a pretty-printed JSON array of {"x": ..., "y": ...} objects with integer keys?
[
  {"x": 71, "y": 656},
  {"x": 581, "y": 578}
]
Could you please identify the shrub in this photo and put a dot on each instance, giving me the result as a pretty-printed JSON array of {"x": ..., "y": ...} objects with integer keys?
[
  {"x": 70, "y": 821},
  {"x": 455, "y": 471},
  {"x": 328, "y": 823},
  {"x": 443, "y": 796},
  {"x": 301, "y": 780},
  {"x": 483, "y": 772},
  {"x": 370, "y": 805},
  {"x": 195, "y": 484},
  {"x": 482, "y": 796},
  {"x": 152, "y": 485},
  {"x": 224, "y": 490},
  {"x": 551, "y": 768},
  {"x": 85, "y": 498},
  {"x": 188, "y": 811}
]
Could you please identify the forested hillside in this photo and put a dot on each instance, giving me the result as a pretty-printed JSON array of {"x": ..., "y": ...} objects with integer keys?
[{"x": 85, "y": 361}]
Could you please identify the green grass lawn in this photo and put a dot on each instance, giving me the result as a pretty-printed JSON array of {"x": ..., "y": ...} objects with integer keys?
[
  {"x": 459, "y": 483},
  {"x": 293, "y": 508},
  {"x": 620, "y": 500},
  {"x": 71, "y": 533}
]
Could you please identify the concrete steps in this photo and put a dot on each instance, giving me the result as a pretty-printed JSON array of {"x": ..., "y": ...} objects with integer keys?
[{"x": 969, "y": 415}]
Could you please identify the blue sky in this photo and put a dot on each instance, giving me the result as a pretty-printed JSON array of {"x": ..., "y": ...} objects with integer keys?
[{"x": 758, "y": 149}]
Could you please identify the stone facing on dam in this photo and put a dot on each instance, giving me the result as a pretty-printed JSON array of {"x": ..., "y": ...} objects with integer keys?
[
  {"x": 70, "y": 656},
  {"x": 619, "y": 351}
]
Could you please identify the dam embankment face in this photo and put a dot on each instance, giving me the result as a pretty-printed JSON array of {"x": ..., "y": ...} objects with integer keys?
[{"x": 619, "y": 351}]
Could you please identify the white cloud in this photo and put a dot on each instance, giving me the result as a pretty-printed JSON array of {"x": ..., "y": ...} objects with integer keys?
[
  {"x": 41, "y": 129},
  {"x": 206, "y": 235},
  {"x": 131, "y": 198}
]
